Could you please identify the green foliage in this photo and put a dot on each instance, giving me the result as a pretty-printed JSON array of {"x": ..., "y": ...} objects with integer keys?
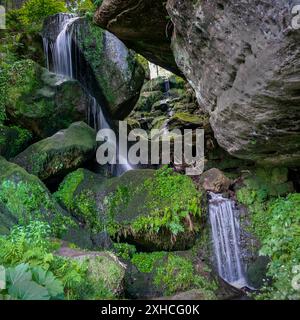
[
  {"x": 282, "y": 244},
  {"x": 145, "y": 262},
  {"x": 275, "y": 221},
  {"x": 178, "y": 275},
  {"x": 33, "y": 247},
  {"x": 35, "y": 11},
  {"x": 67, "y": 189},
  {"x": 124, "y": 250},
  {"x": 173, "y": 202},
  {"x": 81, "y": 204},
  {"x": 29, "y": 201},
  {"x": 32, "y": 283}
]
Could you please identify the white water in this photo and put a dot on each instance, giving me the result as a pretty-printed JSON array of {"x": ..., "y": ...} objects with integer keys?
[
  {"x": 226, "y": 234},
  {"x": 62, "y": 50},
  {"x": 64, "y": 64}
]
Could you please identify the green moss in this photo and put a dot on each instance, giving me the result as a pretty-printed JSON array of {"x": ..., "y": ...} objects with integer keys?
[
  {"x": 13, "y": 140},
  {"x": 105, "y": 275},
  {"x": 145, "y": 262},
  {"x": 67, "y": 189},
  {"x": 172, "y": 201},
  {"x": 124, "y": 250},
  {"x": 178, "y": 275},
  {"x": 27, "y": 199},
  {"x": 81, "y": 203},
  {"x": 187, "y": 117}
]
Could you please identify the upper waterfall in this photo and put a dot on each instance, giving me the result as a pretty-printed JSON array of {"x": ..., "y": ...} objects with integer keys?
[{"x": 64, "y": 62}]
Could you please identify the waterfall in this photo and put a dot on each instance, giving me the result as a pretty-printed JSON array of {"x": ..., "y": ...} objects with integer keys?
[
  {"x": 63, "y": 58},
  {"x": 226, "y": 234},
  {"x": 62, "y": 51}
]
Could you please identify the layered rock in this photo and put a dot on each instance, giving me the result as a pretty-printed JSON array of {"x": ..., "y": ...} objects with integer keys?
[
  {"x": 102, "y": 62},
  {"x": 242, "y": 59},
  {"x": 143, "y": 26},
  {"x": 57, "y": 155}
]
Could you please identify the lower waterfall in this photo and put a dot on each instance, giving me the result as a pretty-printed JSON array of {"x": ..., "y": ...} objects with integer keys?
[{"x": 225, "y": 235}]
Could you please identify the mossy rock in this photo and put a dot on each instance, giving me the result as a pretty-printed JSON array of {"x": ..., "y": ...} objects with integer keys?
[
  {"x": 115, "y": 75},
  {"x": 105, "y": 272},
  {"x": 186, "y": 120},
  {"x": 23, "y": 197},
  {"x": 13, "y": 140},
  {"x": 273, "y": 180},
  {"x": 137, "y": 207},
  {"x": 163, "y": 274},
  {"x": 147, "y": 100},
  {"x": 55, "y": 156},
  {"x": 40, "y": 101}
]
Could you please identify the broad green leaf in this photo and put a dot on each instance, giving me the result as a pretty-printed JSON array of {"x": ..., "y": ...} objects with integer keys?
[
  {"x": 18, "y": 273},
  {"x": 28, "y": 290}
]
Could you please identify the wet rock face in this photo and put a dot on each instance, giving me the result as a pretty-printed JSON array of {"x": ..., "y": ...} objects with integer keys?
[
  {"x": 102, "y": 63},
  {"x": 242, "y": 59},
  {"x": 143, "y": 25}
]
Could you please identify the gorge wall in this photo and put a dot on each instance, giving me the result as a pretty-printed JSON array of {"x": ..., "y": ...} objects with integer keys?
[{"x": 241, "y": 58}]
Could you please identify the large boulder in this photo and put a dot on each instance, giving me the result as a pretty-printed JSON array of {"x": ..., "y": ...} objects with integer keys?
[
  {"x": 153, "y": 210},
  {"x": 143, "y": 26},
  {"x": 23, "y": 198},
  {"x": 112, "y": 73},
  {"x": 158, "y": 274},
  {"x": 241, "y": 58},
  {"x": 57, "y": 155},
  {"x": 105, "y": 272},
  {"x": 40, "y": 101}
]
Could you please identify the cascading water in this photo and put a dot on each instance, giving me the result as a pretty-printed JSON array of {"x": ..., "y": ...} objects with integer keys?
[
  {"x": 226, "y": 234},
  {"x": 63, "y": 63},
  {"x": 62, "y": 50}
]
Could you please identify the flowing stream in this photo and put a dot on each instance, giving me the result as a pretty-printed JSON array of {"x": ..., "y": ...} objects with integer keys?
[
  {"x": 63, "y": 57},
  {"x": 226, "y": 234}
]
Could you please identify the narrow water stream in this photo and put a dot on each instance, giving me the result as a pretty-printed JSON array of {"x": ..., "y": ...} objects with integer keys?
[{"x": 226, "y": 238}]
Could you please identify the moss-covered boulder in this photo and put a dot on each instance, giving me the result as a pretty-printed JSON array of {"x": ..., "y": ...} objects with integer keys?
[
  {"x": 23, "y": 197},
  {"x": 147, "y": 99},
  {"x": 40, "y": 101},
  {"x": 154, "y": 210},
  {"x": 111, "y": 71},
  {"x": 13, "y": 140},
  {"x": 158, "y": 274},
  {"x": 55, "y": 156},
  {"x": 105, "y": 272}
]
